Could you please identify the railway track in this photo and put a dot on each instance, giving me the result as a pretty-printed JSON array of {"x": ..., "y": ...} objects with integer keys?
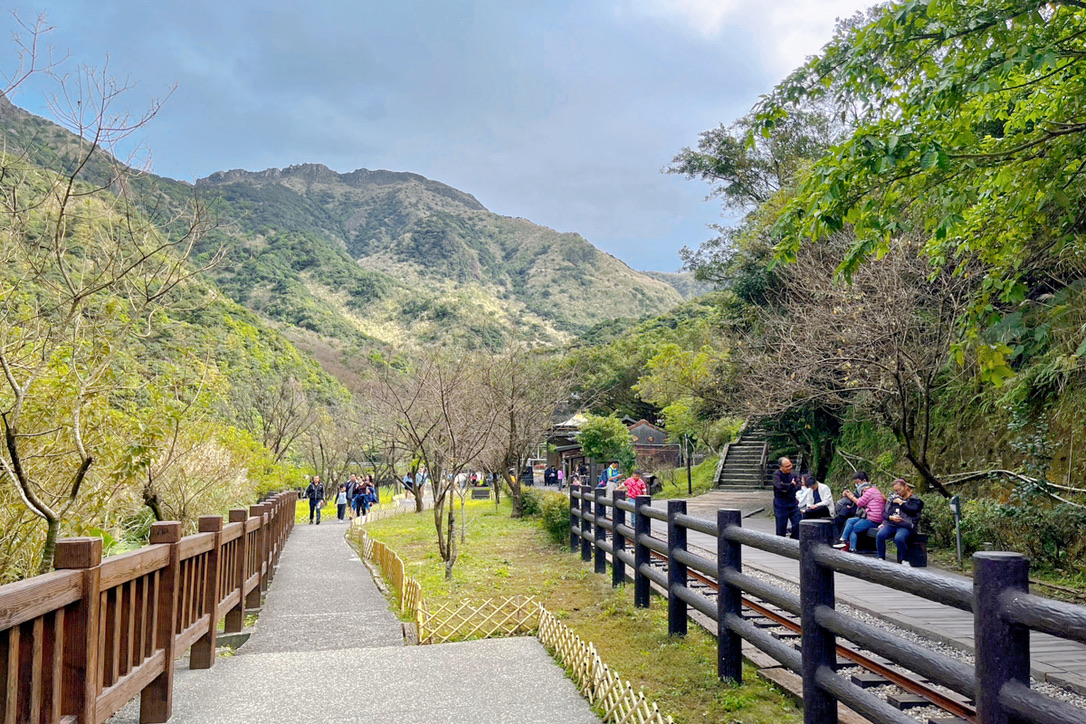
[{"x": 917, "y": 691}]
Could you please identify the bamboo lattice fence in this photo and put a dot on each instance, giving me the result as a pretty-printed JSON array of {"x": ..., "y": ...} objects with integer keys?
[
  {"x": 463, "y": 620},
  {"x": 612, "y": 696}
]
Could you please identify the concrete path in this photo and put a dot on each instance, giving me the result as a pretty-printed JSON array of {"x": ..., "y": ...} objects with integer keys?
[
  {"x": 1059, "y": 661},
  {"x": 326, "y": 648}
]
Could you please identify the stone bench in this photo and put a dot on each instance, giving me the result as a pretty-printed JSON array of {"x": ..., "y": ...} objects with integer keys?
[{"x": 480, "y": 493}]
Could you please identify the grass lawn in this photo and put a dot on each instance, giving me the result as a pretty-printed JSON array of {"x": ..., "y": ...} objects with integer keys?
[
  {"x": 701, "y": 477},
  {"x": 506, "y": 557}
]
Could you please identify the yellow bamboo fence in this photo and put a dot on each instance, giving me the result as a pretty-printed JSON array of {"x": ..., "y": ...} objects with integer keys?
[
  {"x": 464, "y": 620},
  {"x": 616, "y": 699},
  {"x": 613, "y": 697}
]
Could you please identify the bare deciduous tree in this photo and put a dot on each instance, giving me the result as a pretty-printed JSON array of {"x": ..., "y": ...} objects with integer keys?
[
  {"x": 525, "y": 388},
  {"x": 84, "y": 276},
  {"x": 445, "y": 417},
  {"x": 881, "y": 344}
]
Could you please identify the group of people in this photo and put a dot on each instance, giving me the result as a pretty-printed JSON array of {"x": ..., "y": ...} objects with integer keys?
[
  {"x": 554, "y": 476},
  {"x": 798, "y": 497},
  {"x": 353, "y": 498}
]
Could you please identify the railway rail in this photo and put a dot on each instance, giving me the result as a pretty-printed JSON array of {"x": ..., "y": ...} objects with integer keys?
[{"x": 960, "y": 710}]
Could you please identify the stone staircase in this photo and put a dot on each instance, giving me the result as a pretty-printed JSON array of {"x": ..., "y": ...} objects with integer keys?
[{"x": 743, "y": 463}]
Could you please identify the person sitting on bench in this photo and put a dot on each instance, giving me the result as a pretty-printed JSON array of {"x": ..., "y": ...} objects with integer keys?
[
  {"x": 869, "y": 508},
  {"x": 815, "y": 499},
  {"x": 899, "y": 522}
]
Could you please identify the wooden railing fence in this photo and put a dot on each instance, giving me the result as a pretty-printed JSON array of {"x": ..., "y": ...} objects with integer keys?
[
  {"x": 1004, "y": 611},
  {"x": 79, "y": 643}
]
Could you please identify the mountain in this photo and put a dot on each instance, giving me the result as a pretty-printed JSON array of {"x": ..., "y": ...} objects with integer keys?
[
  {"x": 685, "y": 283},
  {"x": 376, "y": 258},
  {"x": 432, "y": 262}
]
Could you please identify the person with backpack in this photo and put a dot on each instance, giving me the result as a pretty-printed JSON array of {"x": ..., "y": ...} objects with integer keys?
[{"x": 869, "y": 508}]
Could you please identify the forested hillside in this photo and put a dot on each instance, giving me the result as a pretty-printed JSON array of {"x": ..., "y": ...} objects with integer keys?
[
  {"x": 906, "y": 292},
  {"x": 431, "y": 263}
]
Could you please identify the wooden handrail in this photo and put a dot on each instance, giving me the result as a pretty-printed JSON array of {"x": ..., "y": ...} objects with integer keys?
[{"x": 77, "y": 644}]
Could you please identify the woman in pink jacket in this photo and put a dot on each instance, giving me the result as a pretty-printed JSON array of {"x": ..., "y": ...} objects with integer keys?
[{"x": 869, "y": 508}]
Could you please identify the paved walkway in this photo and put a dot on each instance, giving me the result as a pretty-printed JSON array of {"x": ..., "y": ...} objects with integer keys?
[
  {"x": 1061, "y": 662},
  {"x": 327, "y": 648}
]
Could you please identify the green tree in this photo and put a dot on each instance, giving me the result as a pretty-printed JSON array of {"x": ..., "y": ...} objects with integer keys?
[
  {"x": 85, "y": 278},
  {"x": 607, "y": 438},
  {"x": 970, "y": 134}
]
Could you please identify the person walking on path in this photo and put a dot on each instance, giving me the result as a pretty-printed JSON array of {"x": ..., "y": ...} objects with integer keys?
[
  {"x": 315, "y": 494},
  {"x": 341, "y": 503},
  {"x": 634, "y": 486},
  {"x": 561, "y": 478},
  {"x": 785, "y": 506}
]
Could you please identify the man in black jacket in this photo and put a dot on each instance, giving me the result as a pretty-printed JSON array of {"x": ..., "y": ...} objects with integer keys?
[
  {"x": 315, "y": 493},
  {"x": 785, "y": 506}
]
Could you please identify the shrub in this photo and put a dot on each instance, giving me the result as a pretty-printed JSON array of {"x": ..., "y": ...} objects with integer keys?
[
  {"x": 532, "y": 502},
  {"x": 938, "y": 521},
  {"x": 1053, "y": 538},
  {"x": 555, "y": 515}
]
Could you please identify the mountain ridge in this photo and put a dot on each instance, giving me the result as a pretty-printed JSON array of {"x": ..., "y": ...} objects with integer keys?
[{"x": 379, "y": 258}]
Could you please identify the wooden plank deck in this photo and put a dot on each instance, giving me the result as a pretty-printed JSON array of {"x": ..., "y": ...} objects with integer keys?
[{"x": 1056, "y": 660}]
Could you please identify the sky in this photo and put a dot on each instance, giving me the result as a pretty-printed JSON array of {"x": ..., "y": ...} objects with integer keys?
[{"x": 561, "y": 112}]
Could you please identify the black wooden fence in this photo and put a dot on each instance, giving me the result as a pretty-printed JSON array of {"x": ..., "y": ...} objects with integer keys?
[{"x": 1004, "y": 611}]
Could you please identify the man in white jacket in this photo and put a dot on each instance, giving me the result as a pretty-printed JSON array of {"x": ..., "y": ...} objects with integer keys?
[{"x": 815, "y": 499}]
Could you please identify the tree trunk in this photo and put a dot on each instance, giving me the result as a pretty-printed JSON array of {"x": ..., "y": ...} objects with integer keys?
[
  {"x": 463, "y": 516},
  {"x": 150, "y": 499},
  {"x": 927, "y": 475},
  {"x": 51, "y": 531},
  {"x": 517, "y": 495},
  {"x": 450, "y": 560}
]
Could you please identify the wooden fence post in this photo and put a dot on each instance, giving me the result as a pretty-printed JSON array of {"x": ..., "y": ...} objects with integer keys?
[
  {"x": 729, "y": 602},
  {"x": 818, "y": 646},
  {"x": 618, "y": 541},
  {"x": 586, "y": 527},
  {"x": 235, "y": 617},
  {"x": 255, "y": 551},
  {"x": 642, "y": 526},
  {"x": 574, "y": 521},
  {"x": 265, "y": 545},
  {"x": 599, "y": 533},
  {"x": 202, "y": 653},
  {"x": 80, "y": 676},
  {"x": 156, "y": 700},
  {"x": 676, "y": 572},
  {"x": 1002, "y": 648},
  {"x": 257, "y": 511}
]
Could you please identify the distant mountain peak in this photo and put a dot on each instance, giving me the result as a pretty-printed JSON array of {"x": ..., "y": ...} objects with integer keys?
[{"x": 359, "y": 178}]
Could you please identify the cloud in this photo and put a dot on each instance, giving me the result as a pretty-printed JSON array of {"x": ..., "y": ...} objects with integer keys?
[
  {"x": 704, "y": 17},
  {"x": 785, "y": 31}
]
